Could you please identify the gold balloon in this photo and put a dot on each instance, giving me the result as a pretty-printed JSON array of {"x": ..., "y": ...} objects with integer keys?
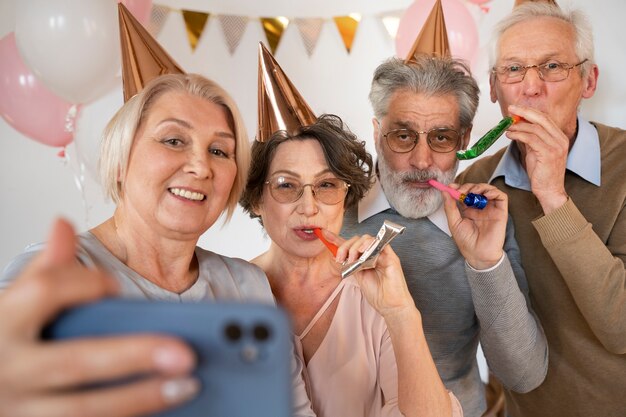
[
  {"x": 280, "y": 107},
  {"x": 142, "y": 57},
  {"x": 433, "y": 38}
]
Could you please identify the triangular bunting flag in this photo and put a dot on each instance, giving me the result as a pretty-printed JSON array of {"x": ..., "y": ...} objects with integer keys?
[
  {"x": 347, "y": 26},
  {"x": 195, "y": 23},
  {"x": 233, "y": 28},
  {"x": 158, "y": 16},
  {"x": 310, "y": 30},
  {"x": 274, "y": 27},
  {"x": 391, "y": 21}
]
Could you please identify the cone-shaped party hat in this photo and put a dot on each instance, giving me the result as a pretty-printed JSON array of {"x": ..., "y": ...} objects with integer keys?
[
  {"x": 281, "y": 107},
  {"x": 433, "y": 38},
  {"x": 142, "y": 57}
]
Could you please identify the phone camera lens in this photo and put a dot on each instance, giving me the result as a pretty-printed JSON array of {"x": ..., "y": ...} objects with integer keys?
[
  {"x": 261, "y": 332},
  {"x": 233, "y": 332}
]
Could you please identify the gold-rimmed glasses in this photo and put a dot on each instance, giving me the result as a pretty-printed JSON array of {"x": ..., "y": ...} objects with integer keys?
[{"x": 551, "y": 71}]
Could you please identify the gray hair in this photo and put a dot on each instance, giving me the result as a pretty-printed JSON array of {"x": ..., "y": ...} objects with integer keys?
[
  {"x": 428, "y": 75},
  {"x": 119, "y": 134},
  {"x": 583, "y": 33}
]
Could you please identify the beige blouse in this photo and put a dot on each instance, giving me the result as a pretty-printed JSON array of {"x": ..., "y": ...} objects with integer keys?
[{"x": 353, "y": 372}]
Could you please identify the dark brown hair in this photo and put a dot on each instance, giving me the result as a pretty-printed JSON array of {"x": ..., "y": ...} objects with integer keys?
[{"x": 344, "y": 152}]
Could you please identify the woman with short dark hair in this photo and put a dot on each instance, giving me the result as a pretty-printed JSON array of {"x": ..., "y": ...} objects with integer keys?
[{"x": 361, "y": 337}]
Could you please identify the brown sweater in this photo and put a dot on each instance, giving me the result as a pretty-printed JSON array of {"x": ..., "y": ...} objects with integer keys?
[{"x": 575, "y": 260}]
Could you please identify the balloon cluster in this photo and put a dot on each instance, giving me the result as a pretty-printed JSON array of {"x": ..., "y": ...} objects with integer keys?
[{"x": 63, "y": 53}]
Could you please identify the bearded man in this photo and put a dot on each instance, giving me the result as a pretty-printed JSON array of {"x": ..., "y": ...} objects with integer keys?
[{"x": 462, "y": 265}]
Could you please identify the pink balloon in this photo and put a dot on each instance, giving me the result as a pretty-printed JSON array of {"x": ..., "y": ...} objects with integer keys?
[
  {"x": 479, "y": 1},
  {"x": 26, "y": 104},
  {"x": 139, "y": 8},
  {"x": 462, "y": 31}
]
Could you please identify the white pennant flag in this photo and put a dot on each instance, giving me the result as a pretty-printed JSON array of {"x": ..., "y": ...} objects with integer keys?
[
  {"x": 391, "y": 21},
  {"x": 233, "y": 28},
  {"x": 158, "y": 16},
  {"x": 310, "y": 30}
]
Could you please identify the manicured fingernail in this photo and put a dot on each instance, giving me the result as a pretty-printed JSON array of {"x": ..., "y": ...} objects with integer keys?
[
  {"x": 170, "y": 359},
  {"x": 179, "y": 390}
]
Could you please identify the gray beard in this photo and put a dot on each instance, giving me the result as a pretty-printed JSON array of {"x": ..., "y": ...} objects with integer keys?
[{"x": 408, "y": 201}]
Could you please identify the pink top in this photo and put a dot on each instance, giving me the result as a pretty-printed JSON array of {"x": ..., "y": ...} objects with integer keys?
[{"x": 353, "y": 372}]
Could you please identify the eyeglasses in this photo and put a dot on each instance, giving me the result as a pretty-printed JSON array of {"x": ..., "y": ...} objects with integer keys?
[
  {"x": 287, "y": 190},
  {"x": 551, "y": 71},
  {"x": 440, "y": 139}
]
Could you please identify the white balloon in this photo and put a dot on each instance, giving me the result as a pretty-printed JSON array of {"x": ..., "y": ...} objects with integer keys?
[
  {"x": 71, "y": 45},
  {"x": 90, "y": 124}
]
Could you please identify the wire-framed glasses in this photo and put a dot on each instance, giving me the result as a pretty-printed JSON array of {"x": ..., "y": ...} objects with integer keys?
[
  {"x": 288, "y": 190},
  {"x": 551, "y": 71},
  {"x": 440, "y": 139}
]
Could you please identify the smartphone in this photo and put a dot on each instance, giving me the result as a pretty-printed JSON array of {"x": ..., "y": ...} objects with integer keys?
[{"x": 244, "y": 350}]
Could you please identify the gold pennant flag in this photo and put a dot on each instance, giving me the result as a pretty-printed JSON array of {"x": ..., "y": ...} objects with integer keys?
[
  {"x": 347, "y": 26},
  {"x": 142, "y": 57},
  {"x": 310, "y": 30},
  {"x": 280, "y": 106},
  {"x": 433, "y": 38},
  {"x": 233, "y": 28},
  {"x": 195, "y": 23},
  {"x": 274, "y": 28}
]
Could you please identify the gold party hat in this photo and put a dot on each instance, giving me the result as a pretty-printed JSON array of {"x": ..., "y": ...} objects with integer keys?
[
  {"x": 142, "y": 57},
  {"x": 281, "y": 107},
  {"x": 433, "y": 38}
]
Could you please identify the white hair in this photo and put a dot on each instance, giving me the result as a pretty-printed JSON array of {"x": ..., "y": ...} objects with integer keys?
[{"x": 583, "y": 33}]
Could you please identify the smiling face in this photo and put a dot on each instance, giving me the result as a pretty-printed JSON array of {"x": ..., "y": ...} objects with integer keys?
[
  {"x": 537, "y": 41},
  {"x": 403, "y": 176},
  {"x": 290, "y": 225},
  {"x": 181, "y": 168}
]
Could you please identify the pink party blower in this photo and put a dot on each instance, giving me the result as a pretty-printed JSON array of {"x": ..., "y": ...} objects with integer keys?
[{"x": 478, "y": 201}]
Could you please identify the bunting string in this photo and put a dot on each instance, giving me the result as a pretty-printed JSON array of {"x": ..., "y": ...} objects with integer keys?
[{"x": 234, "y": 26}]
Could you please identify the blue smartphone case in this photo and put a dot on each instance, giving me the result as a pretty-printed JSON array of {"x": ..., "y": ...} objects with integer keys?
[{"x": 244, "y": 350}]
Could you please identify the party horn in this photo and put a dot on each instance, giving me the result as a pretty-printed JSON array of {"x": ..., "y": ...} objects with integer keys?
[
  {"x": 367, "y": 260},
  {"x": 331, "y": 246},
  {"x": 478, "y": 201},
  {"x": 488, "y": 139}
]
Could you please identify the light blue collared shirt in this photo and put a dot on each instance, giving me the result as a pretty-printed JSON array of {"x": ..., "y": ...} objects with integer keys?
[
  {"x": 583, "y": 160},
  {"x": 375, "y": 202}
]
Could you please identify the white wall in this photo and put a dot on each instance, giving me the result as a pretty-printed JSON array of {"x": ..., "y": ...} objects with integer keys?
[{"x": 36, "y": 187}]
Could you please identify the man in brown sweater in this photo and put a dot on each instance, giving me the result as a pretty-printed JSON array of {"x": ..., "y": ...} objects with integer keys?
[{"x": 566, "y": 181}]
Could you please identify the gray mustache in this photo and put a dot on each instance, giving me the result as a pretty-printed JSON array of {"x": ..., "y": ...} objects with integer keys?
[{"x": 418, "y": 176}]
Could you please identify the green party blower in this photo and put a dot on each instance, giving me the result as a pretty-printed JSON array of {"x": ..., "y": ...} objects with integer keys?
[{"x": 488, "y": 139}]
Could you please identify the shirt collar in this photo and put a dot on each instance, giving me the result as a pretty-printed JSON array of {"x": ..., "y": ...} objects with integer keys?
[
  {"x": 583, "y": 160},
  {"x": 375, "y": 202}
]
